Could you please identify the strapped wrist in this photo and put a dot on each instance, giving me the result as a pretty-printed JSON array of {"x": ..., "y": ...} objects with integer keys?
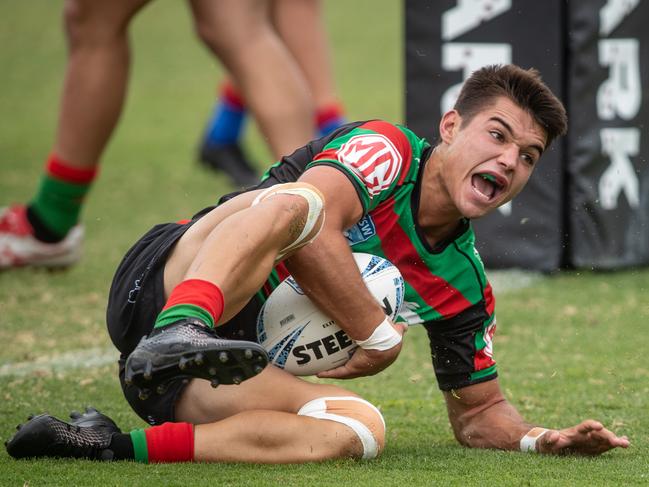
[
  {"x": 384, "y": 337},
  {"x": 528, "y": 442}
]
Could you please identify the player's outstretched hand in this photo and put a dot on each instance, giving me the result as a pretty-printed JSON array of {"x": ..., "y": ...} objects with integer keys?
[
  {"x": 587, "y": 438},
  {"x": 366, "y": 362}
]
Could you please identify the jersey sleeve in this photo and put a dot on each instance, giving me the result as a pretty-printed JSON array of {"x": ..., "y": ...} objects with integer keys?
[
  {"x": 462, "y": 346},
  {"x": 376, "y": 156}
]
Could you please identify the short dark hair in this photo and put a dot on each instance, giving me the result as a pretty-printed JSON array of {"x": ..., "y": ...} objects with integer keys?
[{"x": 522, "y": 86}]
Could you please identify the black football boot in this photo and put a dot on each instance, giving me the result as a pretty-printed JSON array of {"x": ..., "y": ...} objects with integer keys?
[
  {"x": 189, "y": 348},
  {"x": 230, "y": 159},
  {"x": 87, "y": 436}
]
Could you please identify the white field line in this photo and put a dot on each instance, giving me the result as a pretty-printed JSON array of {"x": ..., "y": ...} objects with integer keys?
[
  {"x": 502, "y": 282},
  {"x": 61, "y": 363}
]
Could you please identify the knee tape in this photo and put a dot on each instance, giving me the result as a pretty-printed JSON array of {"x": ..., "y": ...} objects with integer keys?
[
  {"x": 358, "y": 414},
  {"x": 315, "y": 201}
]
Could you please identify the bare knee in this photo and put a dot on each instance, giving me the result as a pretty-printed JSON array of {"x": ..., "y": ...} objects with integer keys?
[
  {"x": 299, "y": 213},
  {"x": 97, "y": 22},
  {"x": 364, "y": 425},
  {"x": 229, "y": 27}
]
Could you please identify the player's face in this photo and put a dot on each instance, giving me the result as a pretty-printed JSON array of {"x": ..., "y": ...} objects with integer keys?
[{"x": 490, "y": 159}]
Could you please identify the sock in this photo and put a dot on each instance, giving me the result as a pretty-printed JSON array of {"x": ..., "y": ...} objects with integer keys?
[
  {"x": 329, "y": 117},
  {"x": 193, "y": 298},
  {"x": 226, "y": 124},
  {"x": 169, "y": 442},
  {"x": 121, "y": 445},
  {"x": 56, "y": 207}
]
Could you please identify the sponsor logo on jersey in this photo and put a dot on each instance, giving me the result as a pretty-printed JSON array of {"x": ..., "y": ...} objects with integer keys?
[
  {"x": 362, "y": 231},
  {"x": 374, "y": 159},
  {"x": 488, "y": 350}
]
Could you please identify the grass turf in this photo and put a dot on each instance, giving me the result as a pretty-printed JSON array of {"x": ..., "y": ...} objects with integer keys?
[{"x": 568, "y": 347}]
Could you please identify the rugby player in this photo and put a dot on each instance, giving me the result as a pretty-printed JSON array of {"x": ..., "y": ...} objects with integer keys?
[{"x": 385, "y": 191}]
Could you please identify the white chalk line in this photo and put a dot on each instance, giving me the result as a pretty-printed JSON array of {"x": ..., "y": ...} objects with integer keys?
[
  {"x": 502, "y": 281},
  {"x": 61, "y": 363}
]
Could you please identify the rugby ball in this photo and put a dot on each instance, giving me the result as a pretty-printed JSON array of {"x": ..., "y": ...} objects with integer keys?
[{"x": 301, "y": 339}]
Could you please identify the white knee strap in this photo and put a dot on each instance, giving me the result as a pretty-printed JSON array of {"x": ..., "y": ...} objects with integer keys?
[
  {"x": 358, "y": 414},
  {"x": 316, "y": 205}
]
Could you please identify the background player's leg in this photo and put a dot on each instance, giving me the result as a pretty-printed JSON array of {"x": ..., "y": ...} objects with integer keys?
[
  {"x": 96, "y": 76},
  {"x": 240, "y": 33},
  {"x": 300, "y": 25}
]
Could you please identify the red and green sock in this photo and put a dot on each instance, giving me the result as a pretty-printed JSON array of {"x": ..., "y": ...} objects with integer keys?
[
  {"x": 192, "y": 298},
  {"x": 57, "y": 204},
  {"x": 169, "y": 442}
]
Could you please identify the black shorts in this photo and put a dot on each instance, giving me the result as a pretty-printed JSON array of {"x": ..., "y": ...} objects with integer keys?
[{"x": 136, "y": 298}]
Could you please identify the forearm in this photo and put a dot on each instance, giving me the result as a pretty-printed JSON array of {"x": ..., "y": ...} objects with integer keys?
[
  {"x": 498, "y": 425},
  {"x": 327, "y": 273},
  {"x": 482, "y": 418}
]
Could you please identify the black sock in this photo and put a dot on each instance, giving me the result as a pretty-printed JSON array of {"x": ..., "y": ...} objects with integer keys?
[
  {"x": 41, "y": 232},
  {"x": 122, "y": 446}
]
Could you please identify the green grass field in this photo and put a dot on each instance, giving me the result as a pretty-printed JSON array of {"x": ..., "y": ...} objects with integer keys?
[{"x": 570, "y": 346}]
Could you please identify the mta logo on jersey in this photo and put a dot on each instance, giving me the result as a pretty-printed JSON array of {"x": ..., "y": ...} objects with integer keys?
[{"x": 374, "y": 159}]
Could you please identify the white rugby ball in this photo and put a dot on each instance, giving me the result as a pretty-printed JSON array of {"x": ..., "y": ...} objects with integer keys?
[{"x": 301, "y": 339}]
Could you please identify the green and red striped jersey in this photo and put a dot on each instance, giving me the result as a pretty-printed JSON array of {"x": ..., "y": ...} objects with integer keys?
[{"x": 446, "y": 287}]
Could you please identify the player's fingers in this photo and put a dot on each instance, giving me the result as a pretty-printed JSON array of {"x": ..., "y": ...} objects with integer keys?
[
  {"x": 589, "y": 425},
  {"x": 336, "y": 373},
  {"x": 346, "y": 371}
]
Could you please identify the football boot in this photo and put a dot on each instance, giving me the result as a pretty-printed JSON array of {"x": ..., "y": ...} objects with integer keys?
[
  {"x": 88, "y": 435},
  {"x": 230, "y": 159},
  {"x": 19, "y": 247},
  {"x": 189, "y": 348}
]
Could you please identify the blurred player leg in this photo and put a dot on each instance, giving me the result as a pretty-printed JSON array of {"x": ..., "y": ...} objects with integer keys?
[
  {"x": 46, "y": 232},
  {"x": 241, "y": 35},
  {"x": 221, "y": 145},
  {"x": 309, "y": 46}
]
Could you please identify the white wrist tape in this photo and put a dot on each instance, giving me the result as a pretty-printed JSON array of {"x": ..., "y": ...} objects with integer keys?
[
  {"x": 528, "y": 442},
  {"x": 384, "y": 337}
]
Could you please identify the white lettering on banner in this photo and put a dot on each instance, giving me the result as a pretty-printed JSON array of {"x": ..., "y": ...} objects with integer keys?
[
  {"x": 469, "y": 56},
  {"x": 469, "y": 14},
  {"x": 620, "y": 176},
  {"x": 613, "y": 13},
  {"x": 619, "y": 96},
  {"x": 621, "y": 93}
]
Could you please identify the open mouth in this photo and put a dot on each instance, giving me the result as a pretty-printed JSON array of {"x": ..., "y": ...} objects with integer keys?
[{"x": 487, "y": 185}]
